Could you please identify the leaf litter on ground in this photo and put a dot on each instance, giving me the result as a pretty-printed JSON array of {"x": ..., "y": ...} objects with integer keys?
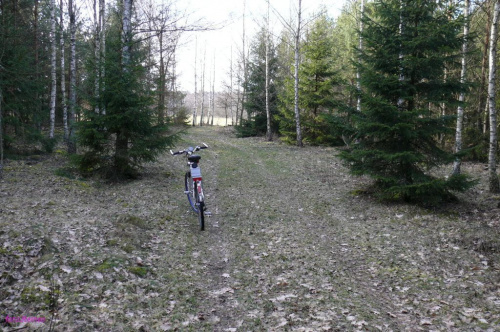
[{"x": 292, "y": 244}]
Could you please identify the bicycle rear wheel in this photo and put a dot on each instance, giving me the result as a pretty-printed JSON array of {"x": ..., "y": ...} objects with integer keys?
[{"x": 200, "y": 207}]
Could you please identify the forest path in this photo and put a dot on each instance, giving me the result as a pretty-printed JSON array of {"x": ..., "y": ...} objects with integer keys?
[{"x": 290, "y": 246}]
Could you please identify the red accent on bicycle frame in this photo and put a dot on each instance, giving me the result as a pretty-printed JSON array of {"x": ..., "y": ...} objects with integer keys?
[{"x": 197, "y": 179}]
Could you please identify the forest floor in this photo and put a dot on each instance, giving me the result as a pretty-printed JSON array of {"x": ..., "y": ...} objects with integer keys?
[{"x": 290, "y": 246}]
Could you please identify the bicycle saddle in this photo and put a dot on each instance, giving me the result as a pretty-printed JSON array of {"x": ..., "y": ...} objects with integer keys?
[{"x": 194, "y": 158}]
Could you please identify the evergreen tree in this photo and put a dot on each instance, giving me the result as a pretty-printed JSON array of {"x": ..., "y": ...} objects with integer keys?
[
  {"x": 408, "y": 43},
  {"x": 23, "y": 73},
  {"x": 318, "y": 83},
  {"x": 116, "y": 143},
  {"x": 255, "y": 87}
]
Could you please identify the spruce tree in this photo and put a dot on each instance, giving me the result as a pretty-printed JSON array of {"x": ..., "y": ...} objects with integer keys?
[
  {"x": 318, "y": 83},
  {"x": 255, "y": 87},
  {"x": 407, "y": 46},
  {"x": 116, "y": 144}
]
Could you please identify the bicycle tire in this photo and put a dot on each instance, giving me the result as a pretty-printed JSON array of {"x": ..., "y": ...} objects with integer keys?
[
  {"x": 201, "y": 207},
  {"x": 189, "y": 189}
]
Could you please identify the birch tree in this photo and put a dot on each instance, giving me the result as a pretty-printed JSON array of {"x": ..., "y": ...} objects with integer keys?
[
  {"x": 494, "y": 183},
  {"x": 72, "y": 78},
  {"x": 53, "y": 72},
  {"x": 97, "y": 56},
  {"x": 203, "y": 87},
  {"x": 195, "y": 82},
  {"x": 213, "y": 93},
  {"x": 296, "y": 86},
  {"x": 461, "y": 98},
  {"x": 63, "y": 71},
  {"x": 360, "y": 46},
  {"x": 102, "y": 53},
  {"x": 296, "y": 31},
  {"x": 1, "y": 133},
  {"x": 269, "y": 134}
]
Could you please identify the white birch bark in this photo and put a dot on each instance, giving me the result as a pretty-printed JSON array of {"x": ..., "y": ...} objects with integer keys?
[
  {"x": 195, "y": 82},
  {"x": 296, "y": 87},
  {"x": 126, "y": 33},
  {"x": 493, "y": 177},
  {"x": 231, "y": 88},
  {"x": 102, "y": 54},
  {"x": 64, "y": 102},
  {"x": 202, "y": 106},
  {"x": 53, "y": 64},
  {"x": 360, "y": 45},
  {"x": 1, "y": 134},
  {"x": 461, "y": 98},
  {"x": 401, "y": 55},
  {"x": 269, "y": 134},
  {"x": 97, "y": 57},
  {"x": 213, "y": 93},
  {"x": 72, "y": 80},
  {"x": 243, "y": 95}
]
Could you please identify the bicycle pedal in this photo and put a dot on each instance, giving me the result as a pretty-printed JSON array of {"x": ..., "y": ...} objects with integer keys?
[
  {"x": 187, "y": 192},
  {"x": 208, "y": 213}
]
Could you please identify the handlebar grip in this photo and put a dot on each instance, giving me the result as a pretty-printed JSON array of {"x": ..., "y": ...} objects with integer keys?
[{"x": 204, "y": 147}]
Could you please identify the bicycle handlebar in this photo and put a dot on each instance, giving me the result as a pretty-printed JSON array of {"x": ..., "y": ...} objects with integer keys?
[{"x": 190, "y": 149}]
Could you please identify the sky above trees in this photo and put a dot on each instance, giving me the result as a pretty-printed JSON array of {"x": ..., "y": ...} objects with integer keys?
[{"x": 227, "y": 17}]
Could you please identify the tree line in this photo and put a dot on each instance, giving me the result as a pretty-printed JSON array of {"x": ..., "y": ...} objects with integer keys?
[
  {"x": 404, "y": 86},
  {"x": 99, "y": 76}
]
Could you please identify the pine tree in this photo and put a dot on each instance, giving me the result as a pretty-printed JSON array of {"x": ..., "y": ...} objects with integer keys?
[{"x": 407, "y": 44}]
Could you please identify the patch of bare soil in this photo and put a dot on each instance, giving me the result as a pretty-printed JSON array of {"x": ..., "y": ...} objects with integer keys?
[{"x": 290, "y": 246}]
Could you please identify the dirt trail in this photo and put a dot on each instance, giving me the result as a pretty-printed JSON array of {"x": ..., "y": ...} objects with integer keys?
[{"x": 289, "y": 246}]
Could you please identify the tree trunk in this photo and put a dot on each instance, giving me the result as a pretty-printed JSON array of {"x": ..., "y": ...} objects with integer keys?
[
  {"x": 297, "y": 50},
  {"x": 482, "y": 111},
  {"x": 213, "y": 94},
  {"x": 1, "y": 135},
  {"x": 195, "y": 82},
  {"x": 53, "y": 64},
  {"x": 401, "y": 55},
  {"x": 121, "y": 144},
  {"x": 243, "y": 52},
  {"x": 102, "y": 54},
  {"x": 203, "y": 88},
  {"x": 231, "y": 97},
  {"x": 493, "y": 177},
  {"x": 358, "y": 74},
  {"x": 72, "y": 79},
  {"x": 269, "y": 134},
  {"x": 461, "y": 98},
  {"x": 126, "y": 33},
  {"x": 161, "y": 87},
  {"x": 97, "y": 58},
  {"x": 63, "y": 71}
]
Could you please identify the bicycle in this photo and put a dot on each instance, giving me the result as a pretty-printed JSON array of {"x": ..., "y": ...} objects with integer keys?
[{"x": 192, "y": 182}]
